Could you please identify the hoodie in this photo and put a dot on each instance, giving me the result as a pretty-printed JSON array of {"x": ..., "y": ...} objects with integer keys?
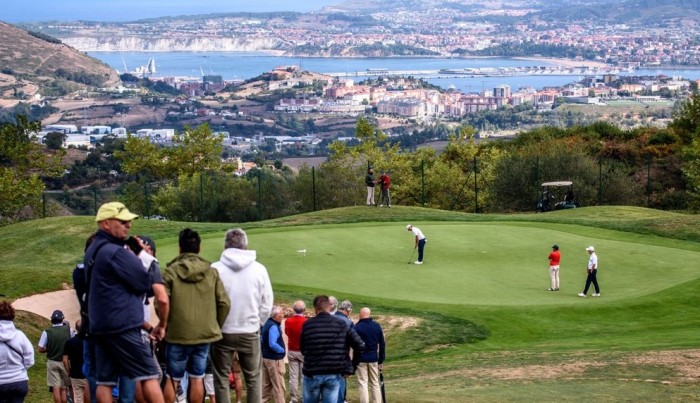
[
  {"x": 248, "y": 285},
  {"x": 16, "y": 354},
  {"x": 198, "y": 301}
]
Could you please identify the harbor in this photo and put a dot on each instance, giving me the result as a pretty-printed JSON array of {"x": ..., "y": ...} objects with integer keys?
[{"x": 485, "y": 72}]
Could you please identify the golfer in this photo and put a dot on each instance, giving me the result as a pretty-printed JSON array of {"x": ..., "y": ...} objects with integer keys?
[
  {"x": 592, "y": 273},
  {"x": 419, "y": 241},
  {"x": 554, "y": 258}
]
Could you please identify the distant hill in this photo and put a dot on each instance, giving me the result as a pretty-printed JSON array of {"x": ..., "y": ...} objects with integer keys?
[
  {"x": 648, "y": 12},
  {"x": 32, "y": 63}
]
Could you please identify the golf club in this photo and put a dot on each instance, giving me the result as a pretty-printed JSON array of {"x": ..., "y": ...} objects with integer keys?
[{"x": 412, "y": 252}]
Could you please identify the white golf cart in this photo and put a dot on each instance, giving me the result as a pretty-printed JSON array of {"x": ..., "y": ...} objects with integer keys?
[{"x": 558, "y": 195}]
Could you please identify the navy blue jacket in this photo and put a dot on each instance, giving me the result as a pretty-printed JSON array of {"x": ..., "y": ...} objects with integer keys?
[
  {"x": 267, "y": 351},
  {"x": 373, "y": 336},
  {"x": 118, "y": 285}
]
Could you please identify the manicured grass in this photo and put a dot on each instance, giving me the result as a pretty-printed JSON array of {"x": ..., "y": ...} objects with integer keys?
[{"x": 478, "y": 303}]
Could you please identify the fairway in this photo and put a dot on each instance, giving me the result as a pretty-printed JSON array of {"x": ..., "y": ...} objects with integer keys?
[{"x": 480, "y": 264}]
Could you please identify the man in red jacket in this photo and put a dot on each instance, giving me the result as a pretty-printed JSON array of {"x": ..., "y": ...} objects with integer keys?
[
  {"x": 385, "y": 184},
  {"x": 292, "y": 328}
]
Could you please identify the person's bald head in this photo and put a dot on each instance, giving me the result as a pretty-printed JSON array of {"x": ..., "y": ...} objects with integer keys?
[{"x": 365, "y": 313}]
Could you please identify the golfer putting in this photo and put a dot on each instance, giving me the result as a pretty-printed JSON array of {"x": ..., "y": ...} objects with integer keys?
[{"x": 420, "y": 241}]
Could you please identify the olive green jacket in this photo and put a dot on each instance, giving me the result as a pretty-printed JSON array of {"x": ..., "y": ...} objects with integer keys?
[{"x": 199, "y": 303}]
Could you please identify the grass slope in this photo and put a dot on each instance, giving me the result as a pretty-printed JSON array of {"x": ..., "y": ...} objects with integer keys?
[{"x": 475, "y": 320}]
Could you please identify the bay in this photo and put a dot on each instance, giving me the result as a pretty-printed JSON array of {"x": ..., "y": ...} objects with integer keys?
[{"x": 245, "y": 65}]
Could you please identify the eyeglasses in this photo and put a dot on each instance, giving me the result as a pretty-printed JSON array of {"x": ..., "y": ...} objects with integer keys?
[{"x": 122, "y": 222}]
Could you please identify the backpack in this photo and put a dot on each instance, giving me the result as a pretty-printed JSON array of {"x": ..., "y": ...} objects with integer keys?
[{"x": 84, "y": 318}]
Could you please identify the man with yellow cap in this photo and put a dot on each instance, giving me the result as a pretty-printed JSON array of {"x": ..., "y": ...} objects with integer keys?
[{"x": 117, "y": 282}]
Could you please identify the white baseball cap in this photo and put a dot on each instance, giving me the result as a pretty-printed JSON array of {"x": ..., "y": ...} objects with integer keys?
[
  {"x": 590, "y": 249},
  {"x": 408, "y": 226}
]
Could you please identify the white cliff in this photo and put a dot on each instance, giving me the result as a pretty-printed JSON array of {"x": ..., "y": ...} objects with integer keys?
[{"x": 196, "y": 44}]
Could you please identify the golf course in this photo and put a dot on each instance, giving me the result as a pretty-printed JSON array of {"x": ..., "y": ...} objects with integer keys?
[{"x": 475, "y": 322}]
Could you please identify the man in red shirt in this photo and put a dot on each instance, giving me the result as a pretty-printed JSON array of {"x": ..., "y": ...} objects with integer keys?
[
  {"x": 554, "y": 258},
  {"x": 292, "y": 328},
  {"x": 385, "y": 184}
]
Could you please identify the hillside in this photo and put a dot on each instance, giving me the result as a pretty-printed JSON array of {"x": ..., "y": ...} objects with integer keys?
[{"x": 36, "y": 64}]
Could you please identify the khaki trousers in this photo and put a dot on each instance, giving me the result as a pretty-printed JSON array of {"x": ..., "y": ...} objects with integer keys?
[
  {"x": 296, "y": 363},
  {"x": 80, "y": 386},
  {"x": 273, "y": 380},
  {"x": 368, "y": 378}
]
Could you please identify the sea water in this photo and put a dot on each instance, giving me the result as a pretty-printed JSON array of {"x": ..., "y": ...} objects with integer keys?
[{"x": 244, "y": 65}]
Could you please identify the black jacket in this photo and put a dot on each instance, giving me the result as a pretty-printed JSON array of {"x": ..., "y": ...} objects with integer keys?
[{"x": 324, "y": 343}]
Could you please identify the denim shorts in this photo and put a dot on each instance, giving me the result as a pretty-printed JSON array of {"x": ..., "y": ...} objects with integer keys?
[
  {"x": 190, "y": 358},
  {"x": 128, "y": 354}
]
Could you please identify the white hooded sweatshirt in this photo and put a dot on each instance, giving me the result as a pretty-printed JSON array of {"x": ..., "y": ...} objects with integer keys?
[
  {"x": 16, "y": 354},
  {"x": 248, "y": 286}
]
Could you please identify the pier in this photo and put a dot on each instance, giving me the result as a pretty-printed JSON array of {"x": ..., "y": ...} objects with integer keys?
[{"x": 485, "y": 72}]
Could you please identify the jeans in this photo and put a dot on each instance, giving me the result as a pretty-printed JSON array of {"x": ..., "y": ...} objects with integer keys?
[
  {"x": 127, "y": 390},
  {"x": 343, "y": 384},
  {"x": 323, "y": 387},
  {"x": 14, "y": 392},
  {"x": 190, "y": 358},
  {"x": 89, "y": 369}
]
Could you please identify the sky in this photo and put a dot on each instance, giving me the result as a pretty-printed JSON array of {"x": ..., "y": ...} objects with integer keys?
[{"x": 14, "y": 11}]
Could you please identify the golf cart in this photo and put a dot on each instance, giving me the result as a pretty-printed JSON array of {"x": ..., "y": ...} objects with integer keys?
[{"x": 552, "y": 199}]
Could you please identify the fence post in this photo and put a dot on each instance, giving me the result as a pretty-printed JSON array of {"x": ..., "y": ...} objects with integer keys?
[
  {"x": 313, "y": 186},
  {"x": 260, "y": 194},
  {"x": 43, "y": 204},
  {"x": 649, "y": 159},
  {"x": 94, "y": 197},
  {"x": 600, "y": 182},
  {"x": 422, "y": 183},
  {"x": 147, "y": 199},
  {"x": 476, "y": 187},
  {"x": 201, "y": 197}
]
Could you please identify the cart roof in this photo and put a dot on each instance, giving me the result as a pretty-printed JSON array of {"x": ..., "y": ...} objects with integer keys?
[{"x": 558, "y": 183}]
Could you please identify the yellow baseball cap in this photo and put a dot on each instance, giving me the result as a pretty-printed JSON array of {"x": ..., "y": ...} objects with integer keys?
[{"x": 114, "y": 210}]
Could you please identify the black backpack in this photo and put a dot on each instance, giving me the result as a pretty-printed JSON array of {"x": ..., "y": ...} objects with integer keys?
[{"x": 84, "y": 318}]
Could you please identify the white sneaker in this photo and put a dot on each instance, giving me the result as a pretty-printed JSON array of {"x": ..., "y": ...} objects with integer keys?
[
  {"x": 582, "y": 295},
  {"x": 417, "y": 262},
  {"x": 596, "y": 294}
]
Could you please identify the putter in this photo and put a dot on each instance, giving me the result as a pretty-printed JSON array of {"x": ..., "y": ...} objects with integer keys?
[{"x": 412, "y": 252}]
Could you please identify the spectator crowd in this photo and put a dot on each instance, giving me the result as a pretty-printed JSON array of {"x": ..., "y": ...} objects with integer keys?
[{"x": 217, "y": 328}]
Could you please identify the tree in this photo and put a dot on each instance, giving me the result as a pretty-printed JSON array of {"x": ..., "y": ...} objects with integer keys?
[
  {"x": 686, "y": 122},
  {"x": 196, "y": 150},
  {"x": 54, "y": 140},
  {"x": 23, "y": 163}
]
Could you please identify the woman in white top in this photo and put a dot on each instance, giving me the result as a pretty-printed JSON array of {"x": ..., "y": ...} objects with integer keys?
[{"x": 16, "y": 356}]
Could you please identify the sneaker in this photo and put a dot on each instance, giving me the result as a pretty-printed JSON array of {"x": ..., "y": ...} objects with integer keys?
[
  {"x": 556, "y": 289},
  {"x": 417, "y": 262},
  {"x": 582, "y": 295},
  {"x": 551, "y": 289},
  {"x": 596, "y": 294}
]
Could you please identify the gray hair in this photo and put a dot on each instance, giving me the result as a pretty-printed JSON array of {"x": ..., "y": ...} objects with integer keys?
[
  {"x": 236, "y": 238},
  {"x": 346, "y": 306},
  {"x": 334, "y": 303},
  {"x": 275, "y": 310},
  {"x": 299, "y": 307}
]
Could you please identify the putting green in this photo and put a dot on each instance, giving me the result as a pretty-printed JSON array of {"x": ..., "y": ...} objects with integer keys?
[{"x": 465, "y": 263}]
